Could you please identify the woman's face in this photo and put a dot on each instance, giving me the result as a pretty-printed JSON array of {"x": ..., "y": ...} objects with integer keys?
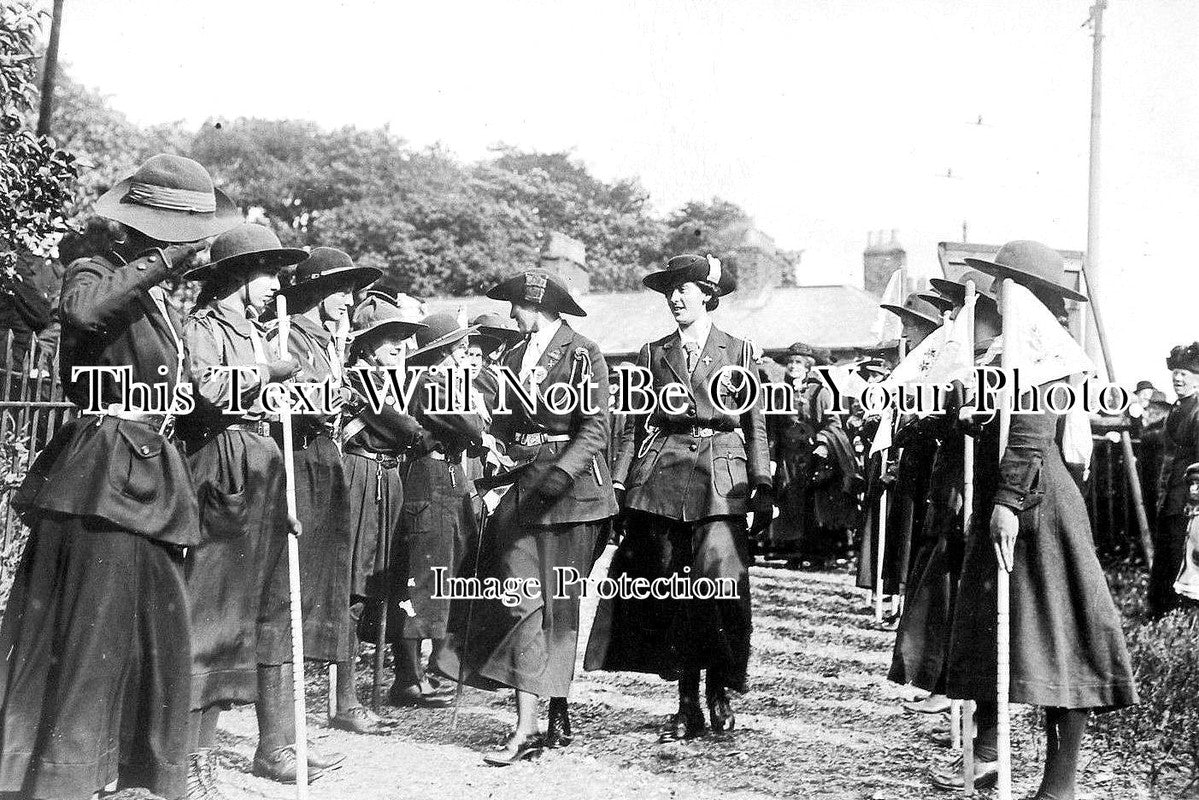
[
  {"x": 335, "y": 306},
  {"x": 687, "y": 303},
  {"x": 798, "y": 368},
  {"x": 260, "y": 288},
  {"x": 1186, "y": 383},
  {"x": 389, "y": 352}
]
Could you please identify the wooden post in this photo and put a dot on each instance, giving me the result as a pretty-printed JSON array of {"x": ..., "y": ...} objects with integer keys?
[
  {"x": 49, "y": 70},
  {"x": 967, "y": 734},
  {"x": 293, "y": 576}
]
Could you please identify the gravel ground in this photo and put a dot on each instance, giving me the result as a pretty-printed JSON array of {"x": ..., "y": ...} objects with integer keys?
[{"x": 820, "y": 721}]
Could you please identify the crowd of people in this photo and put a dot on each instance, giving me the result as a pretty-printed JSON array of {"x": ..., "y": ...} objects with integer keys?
[{"x": 154, "y": 590}]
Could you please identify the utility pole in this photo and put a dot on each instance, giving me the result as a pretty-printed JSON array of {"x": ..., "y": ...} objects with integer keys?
[
  {"x": 1092, "y": 255},
  {"x": 49, "y": 70}
]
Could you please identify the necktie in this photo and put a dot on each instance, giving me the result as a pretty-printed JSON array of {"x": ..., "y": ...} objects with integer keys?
[{"x": 692, "y": 350}]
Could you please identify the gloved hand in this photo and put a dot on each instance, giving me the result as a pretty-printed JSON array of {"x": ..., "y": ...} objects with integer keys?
[
  {"x": 761, "y": 507},
  {"x": 178, "y": 257},
  {"x": 281, "y": 370}
]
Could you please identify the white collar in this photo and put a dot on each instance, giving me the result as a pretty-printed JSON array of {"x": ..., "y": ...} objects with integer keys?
[
  {"x": 698, "y": 332},
  {"x": 542, "y": 337}
]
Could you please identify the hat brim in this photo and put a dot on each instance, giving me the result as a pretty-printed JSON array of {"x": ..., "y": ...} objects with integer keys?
[
  {"x": 512, "y": 291},
  {"x": 271, "y": 261},
  {"x": 391, "y": 328},
  {"x": 940, "y": 301},
  {"x": 667, "y": 280},
  {"x": 957, "y": 292},
  {"x": 501, "y": 335},
  {"x": 453, "y": 337},
  {"x": 909, "y": 314},
  {"x": 164, "y": 225},
  {"x": 1000, "y": 271}
]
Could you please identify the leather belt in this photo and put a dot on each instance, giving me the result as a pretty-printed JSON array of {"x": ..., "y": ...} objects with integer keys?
[
  {"x": 299, "y": 441},
  {"x": 535, "y": 439},
  {"x": 385, "y": 460},
  {"x": 262, "y": 427},
  {"x": 694, "y": 431}
]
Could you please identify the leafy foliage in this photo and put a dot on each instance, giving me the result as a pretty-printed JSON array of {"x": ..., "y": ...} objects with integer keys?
[{"x": 35, "y": 176}]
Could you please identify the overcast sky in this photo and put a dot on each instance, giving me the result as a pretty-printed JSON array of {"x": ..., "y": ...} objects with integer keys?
[{"x": 825, "y": 119}]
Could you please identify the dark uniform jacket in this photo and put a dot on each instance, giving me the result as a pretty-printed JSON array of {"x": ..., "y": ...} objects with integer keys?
[
  {"x": 388, "y": 431},
  {"x": 310, "y": 344},
  {"x": 117, "y": 469},
  {"x": 1181, "y": 449},
  {"x": 570, "y": 358},
  {"x": 219, "y": 337},
  {"x": 673, "y": 473}
]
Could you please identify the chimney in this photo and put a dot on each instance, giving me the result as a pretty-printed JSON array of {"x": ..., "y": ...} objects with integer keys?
[
  {"x": 567, "y": 258},
  {"x": 880, "y": 260}
]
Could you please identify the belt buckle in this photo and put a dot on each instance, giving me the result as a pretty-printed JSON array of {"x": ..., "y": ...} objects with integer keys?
[{"x": 168, "y": 429}]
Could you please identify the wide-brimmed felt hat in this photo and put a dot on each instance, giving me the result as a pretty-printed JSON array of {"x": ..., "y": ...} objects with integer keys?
[
  {"x": 915, "y": 309},
  {"x": 938, "y": 301},
  {"x": 496, "y": 327},
  {"x": 818, "y": 356},
  {"x": 170, "y": 199},
  {"x": 887, "y": 348},
  {"x": 1031, "y": 264},
  {"x": 378, "y": 316},
  {"x": 692, "y": 268},
  {"x": 326, "y": 270},
  {"x": 1141, "y": 385},
  {"x": 441, "y": 330},
  {"x": 984, "y": 289},
  {"x": 538, "y": 287},
  {"x": 244, "y": 248},
  {"x": 1184, "y": 356}
]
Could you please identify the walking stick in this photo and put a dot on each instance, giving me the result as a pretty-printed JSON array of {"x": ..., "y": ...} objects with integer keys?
[
  {"x": 1130, "y": 459},
  {"x": 383, "y": 545},
  {"x": 340, "y": 335},
  {"x": 1003, "y": 630},
  {"x": 966, "y": 710},
  {"x": 882, "y": 544},
  {"x": 484, "y": 514},
  {"x": 293, "y": 577}
]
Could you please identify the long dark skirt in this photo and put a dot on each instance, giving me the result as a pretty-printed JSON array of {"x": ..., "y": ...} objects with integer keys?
[
  {"x": 530, "y": 644},
  {"x": 904, "y": 519},
  {"x": 436, "y": 532},
  {"x": 243, "y": 522},
  {"x": 922, "y": 641},
  {"x": 1067, "y": 647},
  {"x": 1169, "y": 554},
  {"x": 97, "y": 676},
  {"x": 371, "y": 486},
  {"x": 324, "y": 512},
  {"x": 671, "y": 637}
]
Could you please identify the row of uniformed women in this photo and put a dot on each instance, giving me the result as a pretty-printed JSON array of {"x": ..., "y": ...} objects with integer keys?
[{"x": 1068, "y": 653}]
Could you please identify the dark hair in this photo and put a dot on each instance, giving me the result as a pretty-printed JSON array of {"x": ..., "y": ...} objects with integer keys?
[{"x": 709, "y": 289}]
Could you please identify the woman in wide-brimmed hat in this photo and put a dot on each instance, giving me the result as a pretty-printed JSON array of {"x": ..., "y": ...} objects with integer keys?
[
  {"x": 318, "y": 297},
  {"x": 1067, "y": 648},
  {"x": 96, "y": 676},
  {"x": 240, "y": 614},
  {"x": 378, "y": 437},
  {"x": 436, "y": 526}
]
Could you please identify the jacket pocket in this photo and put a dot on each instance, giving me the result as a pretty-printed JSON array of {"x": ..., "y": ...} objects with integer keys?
[
  {"x": 729, "y": 476},
  {"x": 135, "y": 470},
  {"x": 223, "y": 515}
]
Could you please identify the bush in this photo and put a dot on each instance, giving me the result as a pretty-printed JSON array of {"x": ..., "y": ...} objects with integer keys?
[{"x": 1159, "y": 738}]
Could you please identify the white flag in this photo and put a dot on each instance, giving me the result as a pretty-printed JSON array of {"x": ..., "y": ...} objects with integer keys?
[
  {"x": 946, "y": 355},
  {"x": 888, "y": 326},
  {"x": 1036, "y": 343}
]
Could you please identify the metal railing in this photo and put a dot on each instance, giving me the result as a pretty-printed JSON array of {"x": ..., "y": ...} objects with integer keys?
[{"x": 32, "y": 409}]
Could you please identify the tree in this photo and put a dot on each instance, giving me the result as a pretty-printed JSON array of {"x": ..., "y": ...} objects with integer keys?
[
  {"x": 697, "y": 227},
  {"x": 35, "y": 176}
]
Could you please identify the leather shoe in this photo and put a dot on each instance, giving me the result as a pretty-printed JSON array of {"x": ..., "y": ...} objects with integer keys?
[
  {"x": 280, "y": 765},
  {"x": 519, "y": 748},
  {"x": 402, "y": 696},
  {"x": 720, "y": 712},
  {"x": 949, "y": 779},
  {"x": 558, "y": 733},
  {"x": 361, "y": 719},
  {"x": 933, "y": 704},
  {"x": 686, "y": 723}
]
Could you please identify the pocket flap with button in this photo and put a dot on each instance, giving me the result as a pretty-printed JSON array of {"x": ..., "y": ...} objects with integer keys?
[{"x": 142, "y": 440}]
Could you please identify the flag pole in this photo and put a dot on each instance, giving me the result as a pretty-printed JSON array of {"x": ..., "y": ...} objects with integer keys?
[
  {"x": 955, "y": 706},
  {"x": 1002, "y": 577},
  {"x": 293, "y": 575}
]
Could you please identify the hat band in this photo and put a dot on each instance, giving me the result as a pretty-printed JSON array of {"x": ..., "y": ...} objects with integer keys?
[{"x": 169, "y": 199}]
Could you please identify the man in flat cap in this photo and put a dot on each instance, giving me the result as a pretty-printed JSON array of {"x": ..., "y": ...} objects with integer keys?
[
  {"x": 689, "y": 475},
  {"x": 549, "y": 519},
  {"x": 96, "y": 678}
]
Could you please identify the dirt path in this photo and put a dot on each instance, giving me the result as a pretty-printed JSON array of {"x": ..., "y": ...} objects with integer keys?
[{"x": 821, "y": 721}]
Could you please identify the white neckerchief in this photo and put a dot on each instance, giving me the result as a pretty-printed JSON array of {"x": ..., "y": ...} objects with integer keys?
[{"x": 539, "y": 340}]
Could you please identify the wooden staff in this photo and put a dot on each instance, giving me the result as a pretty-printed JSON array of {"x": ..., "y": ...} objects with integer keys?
[
  {"x": 882, "y": 538},
  {"x": 293, "y": 575},
  {"x": 340, "y": 335},
  {"x": 966, "y": 713},
  {"x": 1003, "y": 619}
]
